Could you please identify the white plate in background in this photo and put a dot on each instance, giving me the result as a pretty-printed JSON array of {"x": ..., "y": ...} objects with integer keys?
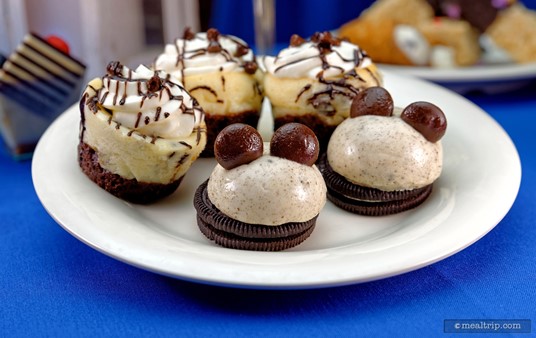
[{"x": 486, "y": 78}]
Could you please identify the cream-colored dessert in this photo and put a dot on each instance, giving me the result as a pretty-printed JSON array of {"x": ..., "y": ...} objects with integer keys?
[
  {"x": 513, "y": 32},
  {"x": 269, "y": 191},
  {"x": 313, "y": 82},
  {"x": 262, "y": 196},
  {"x": 143, "y": 126},
  {"x": 458, "y": 36},
  {"x": 221, "y": 72},
  {"x": 384, "y": 160},
  {"x": 384, "y": 152},
  {"x": 387, "y": 31}
]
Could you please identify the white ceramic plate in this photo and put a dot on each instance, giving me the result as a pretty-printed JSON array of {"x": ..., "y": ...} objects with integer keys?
[
  {"x": 486, "y": 78},
  {"x": 479, "y": 183}
]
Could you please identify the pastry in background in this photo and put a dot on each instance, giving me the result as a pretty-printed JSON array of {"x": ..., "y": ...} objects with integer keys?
[
  {"x": 262, "y": 199},
  {"x": 452, "y": 42},
  {"x": 140, "y": 131},
  {"x": 480, "y": 14},
  {"x": 506, "y": 27},
  {"x": 445, "y": 33},
  {"x": 407, "y": 12},
  {"x": 386, "y": 30},
  {"x": 405, "y": 32},
  {"x": 221, "y": 73},
  {"x": 314, "y": 81},
  {"x": 514, "y": 32},
  {"x": 38, "y": 81},
  {"x": 384, "y": 160}
]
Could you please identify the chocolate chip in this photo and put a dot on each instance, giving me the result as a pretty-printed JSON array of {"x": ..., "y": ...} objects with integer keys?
[
  {"x": 295, "y": 142},
  {"x": 213, "y": 34},
  {"x": 427, "y": 119},
  {"x": 237, "y": 144},
  {"x": 296, "y": 40},
  {"x": 241, "y": 50},
  {"x": 154, "y": 84},
  {"x": 325, "y": 41},
  {"x": 316, "y": 37},
  {"x": 372, "y": 101},
  {"x": 188, "y": 34},
  {"x": 214, "y": 47},
  {"x": 324, "y": 47},
  {"x": 250, "y": 67},
  {"x": 114, "y": 68}
]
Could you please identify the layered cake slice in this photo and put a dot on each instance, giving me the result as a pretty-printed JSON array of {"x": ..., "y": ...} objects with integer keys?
[{"x": 38, "y": 81}]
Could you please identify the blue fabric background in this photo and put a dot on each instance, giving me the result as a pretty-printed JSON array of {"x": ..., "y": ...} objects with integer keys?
[
  {"x": 53, "y": 285},
  {"x": 303, "y": 17}
]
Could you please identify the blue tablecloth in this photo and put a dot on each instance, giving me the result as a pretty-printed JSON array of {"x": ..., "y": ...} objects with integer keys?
[{"x": 53, "y": 285}]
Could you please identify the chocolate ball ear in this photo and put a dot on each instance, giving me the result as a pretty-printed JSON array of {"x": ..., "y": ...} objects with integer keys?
[
  {"x": 427, "y": 118},
  {"x": 295, "y": 142},
  {"x": 372, "y": 101},
  {"x": 237, "y": 144}
]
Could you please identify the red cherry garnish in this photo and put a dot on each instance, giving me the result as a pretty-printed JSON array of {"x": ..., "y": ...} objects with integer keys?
[{"x": 58, "y": 43}]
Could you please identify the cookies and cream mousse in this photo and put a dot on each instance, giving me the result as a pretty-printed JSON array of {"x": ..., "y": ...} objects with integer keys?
[
  {"x": 221, "y": 72},
  {"x": 141, "y": 125},
  {"x": 384, "y": 155},
  {"x": 262, "y": 196},
  {"x": 314, "y": 81},
  {"x": 291, "y": 192}
]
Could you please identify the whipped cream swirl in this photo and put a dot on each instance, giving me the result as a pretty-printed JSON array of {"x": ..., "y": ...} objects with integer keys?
[
  {"x": 150, "y": 102},
  {"x": 323, "y": 56},
  {"x": 206, "y": 52}
]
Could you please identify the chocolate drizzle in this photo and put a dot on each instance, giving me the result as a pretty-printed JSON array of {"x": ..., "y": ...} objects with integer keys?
[
  {"x": 213, "y": 38},
  {"x": 304, "y": 89},
  {"x": 326, "y": 45},
  {"x": 324, "y": 42},
  {"x": 116, "y": 83}
]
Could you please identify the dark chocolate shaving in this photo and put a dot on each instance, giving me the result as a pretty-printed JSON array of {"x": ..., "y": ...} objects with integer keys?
[
  {"x": 154, "y": 84},
  {"x": 188, "y": 34},
  {"x": 114, "y": 68},
  {"x": 250, "y": 67},
  {"x": 296, "y": 40},
  {"x": 241, "y": 50}
]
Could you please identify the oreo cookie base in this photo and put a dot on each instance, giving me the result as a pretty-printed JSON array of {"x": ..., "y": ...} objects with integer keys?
[
  {"x": 233, "y": 234},
  {"x": 368, "y": 201}
]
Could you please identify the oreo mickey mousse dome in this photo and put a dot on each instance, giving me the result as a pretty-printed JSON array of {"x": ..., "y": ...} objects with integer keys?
[
  {"x": 262, "y": 199},
  {"x": 314, "y": 81},
  {"x": 221, "y": 72},
  {"x": 140, "y": 132},
  {"x": 384, "y": 160}
]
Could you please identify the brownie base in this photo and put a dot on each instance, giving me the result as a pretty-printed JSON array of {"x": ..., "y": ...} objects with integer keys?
[
  {"x": 126, "y": 189},
  {"x": 368, "y": 201},
  {"x": 231, "y": 233},
  {"x": 215, "y": 124}
]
